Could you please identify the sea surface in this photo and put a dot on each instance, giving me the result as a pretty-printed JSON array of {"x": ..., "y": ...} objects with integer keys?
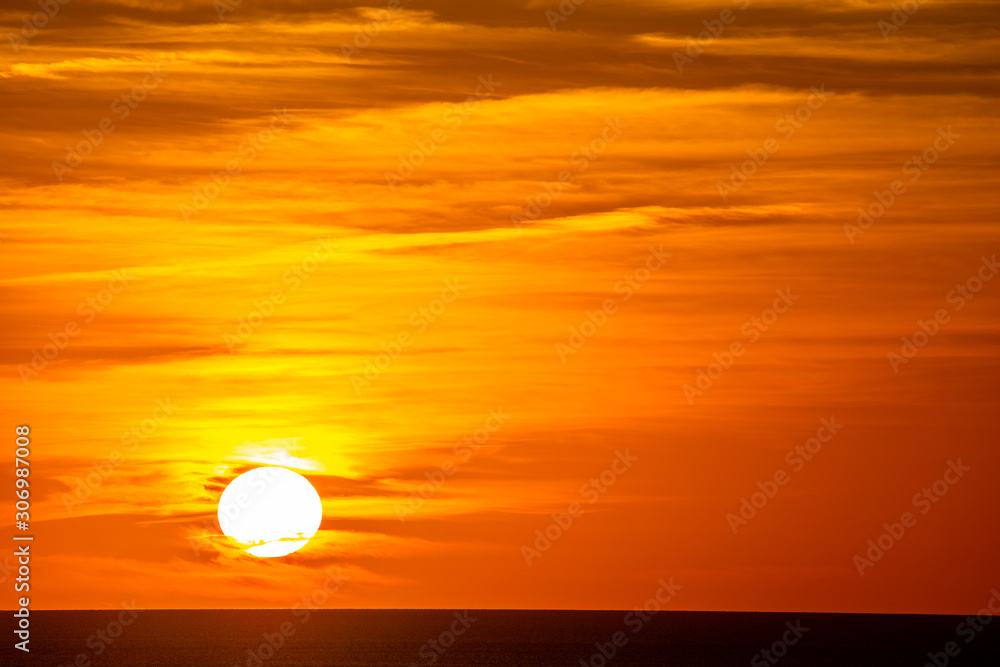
[{"x": 373, "y": 638}]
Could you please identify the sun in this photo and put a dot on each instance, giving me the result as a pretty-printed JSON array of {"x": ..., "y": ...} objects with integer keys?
[{"x": 270, "y": 511}]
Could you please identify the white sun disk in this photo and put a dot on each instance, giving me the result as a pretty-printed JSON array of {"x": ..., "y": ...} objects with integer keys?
[{"x": 270, "y": 511}]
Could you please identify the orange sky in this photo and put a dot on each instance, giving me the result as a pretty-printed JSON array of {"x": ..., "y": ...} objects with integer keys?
[{"x": 281, "y": 162}]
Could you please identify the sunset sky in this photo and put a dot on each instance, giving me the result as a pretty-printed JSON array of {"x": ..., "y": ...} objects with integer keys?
[{"x": 217, "y": 217}]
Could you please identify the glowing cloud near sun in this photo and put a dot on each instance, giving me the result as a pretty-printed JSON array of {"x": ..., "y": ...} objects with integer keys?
[{"x": 270, "y": 511}]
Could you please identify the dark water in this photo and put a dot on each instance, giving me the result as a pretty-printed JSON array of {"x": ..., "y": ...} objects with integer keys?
[{"x": 496, "y": 638}]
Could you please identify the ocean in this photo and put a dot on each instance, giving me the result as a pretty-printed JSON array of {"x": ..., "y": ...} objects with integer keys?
[{"x": 492, "y": 638}]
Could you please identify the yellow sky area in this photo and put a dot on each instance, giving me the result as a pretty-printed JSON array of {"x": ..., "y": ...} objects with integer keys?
[{"x": 477, "y": 215}]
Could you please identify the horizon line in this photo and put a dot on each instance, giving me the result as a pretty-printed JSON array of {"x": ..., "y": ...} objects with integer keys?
[{"x": 674, "y": 611}]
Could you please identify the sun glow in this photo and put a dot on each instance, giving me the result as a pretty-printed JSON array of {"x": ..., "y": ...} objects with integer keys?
[{"x": 270, "y": 511}]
